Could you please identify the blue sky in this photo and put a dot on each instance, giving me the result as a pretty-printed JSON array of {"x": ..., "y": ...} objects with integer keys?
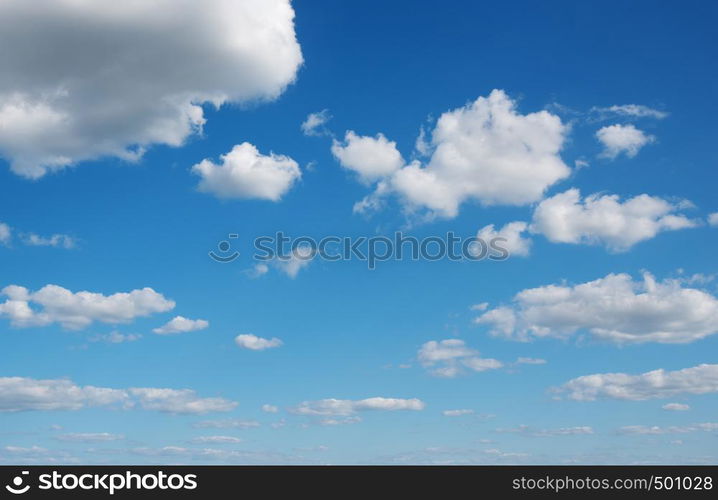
[{"x": 641, "y": 73}]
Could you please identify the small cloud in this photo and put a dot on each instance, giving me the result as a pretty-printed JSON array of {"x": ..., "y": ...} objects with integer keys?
[
  {"x": 180, "y": 324},
  {"x": 457, "y": 413},
  {"x": 315, "y": 123},
  {"x": 216, "y": 440},
  {"x": 90, "y": 437},
  {"x": 116, "y": 338},
  {"x": 675, "y": 407},
  {"x": 270, "y": 408},
  {"x": 5, "y": 234},
  {"x": 530, "y": 361},
  {"x": 254, "y": 343},
  {"x": 56, "y": 241}
]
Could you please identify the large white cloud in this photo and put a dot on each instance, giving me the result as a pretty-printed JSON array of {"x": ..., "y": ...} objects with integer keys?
[
  {"x": 451, "y": 357},
  {"x": 344, "y": 407},
  {"x": 24, "y": 394},
  {"x": 485, "y": 151},
  {"x": 246, "y": 173},
  {"x": 80, "y": 309},
  {"x": 615, "y": 308},
  {"x": 83, "y": 79},
  {"x": 656, "y": 384},
  {"x": 622, "y": 139},
  {"x": 606, "y": 220}
]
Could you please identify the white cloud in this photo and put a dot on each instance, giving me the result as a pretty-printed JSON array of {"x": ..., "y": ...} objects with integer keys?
[
  {"x": 180, "y": 324},
  {"x": 373, "y": 158},
  {"x": 314, "y": 124},
  {"x": 5, "y": 234},
  {"x": 457, "y": 413},
  {"x": 333, "y": 422},
  {"x": 291, "y": 264},
  {"x": 246, "y": 173},
  {"x": 485, "y": 151},
  {"x": 614, "y": 308},
  {"x": 712, "y": 220},
  {"x": 56, "y": 240},
  {"x": 24, "y": 394},
  {"x": 451, "y": 357},
  {"x": 674, "y": 429},
  {"x": 116, "y": 338},
  {"x": 123, "y": 76},
  {"x": 605, "y": 220},
  {"x": 563, "y": 431},
  {"x": 630, "y": 111},
  {"x": 90, "y": 437},
  {"x": 78, "y": 310},
  {"x": 656, "y": 384},
  {"x": 348, "y": 407},
  {"x": 676, "y": 407},
  {"x": 254, "y": 343},
  {"x": 514, "y": 243},
  {"x": 230, "y": 423},
  {"x": 181, "y": 401},
  {"x": 216, "y": 440},
  {"x": 530, "y": 361},
  {"x": 266, "y": 408},
  {"x": 627, "y": 139}
]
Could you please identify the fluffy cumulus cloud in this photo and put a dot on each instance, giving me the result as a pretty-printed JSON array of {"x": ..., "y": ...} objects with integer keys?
[
  {"x": 25, "y": 394},
  {"x": 615, "y": 308},
  {"x": 180, "y": 324},
  {"x": 712, "y": 220},
  {"x": 246, "y": 173},
  {"x": 606, "y": 220},
  {"x": 372, "y": 158},
  {"x": 622, "y": 139},
  {"x": 511, "y": 237},
  {"x": 701, "y": 379},
  {"x": 485, "y": 151},
  {"x": 84, "y": 79},
  {"x": 452, "y": 357},
  {"x": 254, "y": 343},
  {"x": 315, "y": 123},
  {"x": 77, "y": 310},
  {"x": 347, "y": 407}
]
